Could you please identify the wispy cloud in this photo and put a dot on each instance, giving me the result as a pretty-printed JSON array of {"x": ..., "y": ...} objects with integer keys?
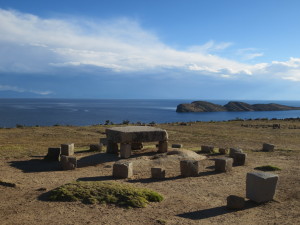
[
  {"x": 22, "y": 90},
  {"x": 30, "y": 44}
]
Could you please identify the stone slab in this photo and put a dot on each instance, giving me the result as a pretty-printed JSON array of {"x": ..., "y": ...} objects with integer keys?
[
  {"x": 261, "y": 186},
  {"x": 122, "y": 170},
  {"x": 162, "y": 146},
  {"x": 130, "y": 134},
  {"x": 189, "y": 168},
  {"x": 223, "y": 164}
]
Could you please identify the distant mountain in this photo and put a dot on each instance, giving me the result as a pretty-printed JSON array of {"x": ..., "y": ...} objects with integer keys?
[{"x": 203, "y": 106}]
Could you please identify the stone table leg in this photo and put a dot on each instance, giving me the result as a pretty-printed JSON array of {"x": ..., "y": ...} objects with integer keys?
[
  {"x": 112, "y": 147},
  {"x": 163, "y": 146},
  {"x": 125, "y": 150}
]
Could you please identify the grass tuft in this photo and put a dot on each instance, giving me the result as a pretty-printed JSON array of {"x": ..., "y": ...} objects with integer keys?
[
  {"x": 267, "y": 168},
  {"x": 125, "y": 195}
]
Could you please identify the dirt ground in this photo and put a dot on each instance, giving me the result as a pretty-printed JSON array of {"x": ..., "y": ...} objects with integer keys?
[{"x": 192, "y": 200}]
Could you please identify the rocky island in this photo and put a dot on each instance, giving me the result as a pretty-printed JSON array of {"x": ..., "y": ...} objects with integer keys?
[{"x": 232, "y": 106}]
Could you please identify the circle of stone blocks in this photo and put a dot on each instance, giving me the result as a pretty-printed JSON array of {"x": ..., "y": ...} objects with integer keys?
[
  {"x": 239, "y": 159},
  {"x": 103, "y": 141},
  {"x": 122, "y": 170},
  {"x": 189, "y": 168},
  {"x": 268, "y": 147},
  {"x": 96, "y": 147},
  {"x": 207, "y": 149},
  {"x": 223, "y": 164},
  {"x": 232, "y": 151},
  {"x": 261, "y": 186},
  {"x": 235, "y": 202},
  {"x": 68, "y": 162},
  {"x": 125, "y": 150},
  {"x": 158, "y": 173},
  {"x": 223, "y": 151},
  {"x": 177, "y": 145},
  {"x": 53, "y": 154},
  {"x": 67, "y": 149}
]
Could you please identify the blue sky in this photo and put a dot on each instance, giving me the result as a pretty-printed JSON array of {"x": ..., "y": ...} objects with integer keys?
[{"x": 188, "y": 49}]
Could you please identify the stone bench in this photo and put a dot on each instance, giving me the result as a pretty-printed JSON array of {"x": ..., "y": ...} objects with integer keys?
[{"x": 128, "y": 135}]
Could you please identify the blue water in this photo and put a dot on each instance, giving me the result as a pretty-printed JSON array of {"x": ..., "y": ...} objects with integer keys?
[{"x": 83, "y": 112}]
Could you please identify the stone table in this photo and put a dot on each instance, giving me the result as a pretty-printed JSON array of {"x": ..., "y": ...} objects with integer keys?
[{"x": 128, "y": 135}]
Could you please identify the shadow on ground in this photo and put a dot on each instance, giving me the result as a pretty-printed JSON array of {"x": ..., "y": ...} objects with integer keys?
[
  {"x": 35, "y": 165},
  {"x": 212, "y": 212}
]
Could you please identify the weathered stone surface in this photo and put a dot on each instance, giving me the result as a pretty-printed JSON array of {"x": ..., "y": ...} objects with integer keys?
[
  {"x": 223, "y": 164},
  {"x": 68, "y": 162},
  {"x": 232, "y": 151},
  {"x": 96, "y": 147},
  {"x": 235, "y": 202},
  {"x": 53, "y": 154},
  {"x": 112, "y": 147},
  {"x": 162, "y": 146},
  {"x": 207, "y": 149},
  {"x": 125, "y": 150},
  {"x": 136, "y": 146},
  {"x": 131, "y": 134},
  {"x": 67, "y": 149},
  {"x": 123, "y": 170},
  {"x": 177, "y": 145},
  {"x": 223, "y": 151},
  {"x": 189, "y": 168},
  {"x": 103, "y": 141},
  {"x": 239, "y": 159},
  {"x": 158, "y": 173},
  {"x": 268, "y": 147},
  {"x": 260, "y": 186}
]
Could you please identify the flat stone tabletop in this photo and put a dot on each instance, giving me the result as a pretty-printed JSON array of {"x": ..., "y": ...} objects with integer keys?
[{"x": 130, "y": 134}]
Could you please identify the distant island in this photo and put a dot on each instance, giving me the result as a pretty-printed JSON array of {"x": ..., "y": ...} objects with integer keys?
[{"x": 232, "y": 106}]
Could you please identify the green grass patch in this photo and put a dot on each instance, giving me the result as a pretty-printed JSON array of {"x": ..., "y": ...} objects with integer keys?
[
  {"x": 267, "y": 168},
  {"x": 106, "y": 192}
]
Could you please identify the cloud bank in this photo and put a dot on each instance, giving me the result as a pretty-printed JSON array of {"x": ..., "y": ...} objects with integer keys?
[{"x": 30, "y": 44}]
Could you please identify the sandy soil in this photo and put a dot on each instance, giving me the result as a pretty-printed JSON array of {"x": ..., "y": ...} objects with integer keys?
[{"x": 192, "y": 200}]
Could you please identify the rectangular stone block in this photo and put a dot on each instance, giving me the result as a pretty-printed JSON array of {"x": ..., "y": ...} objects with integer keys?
[
  {"x": 235, "y": 202},
  {"x": 239, "y": 159},
  {"x": 53, "y": 154},
  {"x": 162, "y": 146},
  {"x": 96, "y": 147},
  {"x": 158, "y": 173},
  {"x": 112, "y": 147},
  {"x": 207, "y": 149},
  {"x": 125, "y": 150},
  {"x": 232, "y": 151},
  {"x": 68, "y": 162},
  {"x": 189, "y": 168},
  {"x": 123, "y": 170},
  {"x": 268, "y": 147},
  {"x": 177, "y": 145},
  {"x": 223, "y": 164},
  {"x": 261, "y": 186},
  {"x": 67, "y": 149}
]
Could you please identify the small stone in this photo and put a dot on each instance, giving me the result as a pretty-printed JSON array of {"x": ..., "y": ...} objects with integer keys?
[
  {"x": 68, "y": 162},
  {"x": 53, "y": 154},
  {"x": 123, "y": 170},
  {"x": 189, "y": 168},
  {"x": 67, "y": 149},
  {"x": 239, "y": 159},
  {"x": 223, "y": 151},
  {"x": 235, "y": 202},
  {"x": 232, "y": 151},
  {"x": 158, "y": 173},
  {"x": 96, "y": 147},
  {"x": 268, "y": 147},
  {"x": 177, "y": 145},
  {"x": 223, "y": 164},
  {"x": 207, "y": 149},
  {"x": 125, "y": 150}
]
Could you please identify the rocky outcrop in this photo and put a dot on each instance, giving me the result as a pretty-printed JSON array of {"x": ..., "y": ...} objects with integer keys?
[{"x": 203, "y": 106}]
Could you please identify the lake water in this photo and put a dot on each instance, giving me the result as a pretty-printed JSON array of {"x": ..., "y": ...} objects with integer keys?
[{"x": 83, "y": 112}]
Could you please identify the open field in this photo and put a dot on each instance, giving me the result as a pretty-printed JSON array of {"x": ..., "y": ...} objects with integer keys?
[{"x": 193, "y": 200}]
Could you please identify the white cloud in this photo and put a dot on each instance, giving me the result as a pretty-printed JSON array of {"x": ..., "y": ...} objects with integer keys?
[
  {"x": 21, "y": 90},
  {"x": 29, "y": 44}
]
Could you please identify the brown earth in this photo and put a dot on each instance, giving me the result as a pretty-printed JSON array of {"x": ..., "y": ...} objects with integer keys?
[{"x": 192, "y": 200}]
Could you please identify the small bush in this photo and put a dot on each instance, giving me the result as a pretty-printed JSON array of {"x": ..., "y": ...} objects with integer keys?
[
  {"x": 105, "y": 192},
  {"x": 267, "y": 168}
]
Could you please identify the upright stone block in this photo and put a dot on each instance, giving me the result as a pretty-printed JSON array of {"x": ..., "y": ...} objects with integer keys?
[
  {"x": 207, "y": 149},
  {"x": 67, "y": 149},
  {"x": 112, "y": 147},
  {"x": 53, "y": 154},
  {"x": 235, "y": 202},
  {"x": 239, "y": 159},
  {"x": 137, "y": 146},
  {"x": 158, "y": 173},
  {"x": 223, "y": 151},
  {"x": 163, "y": 146},
  {"x": 68, "y": 162},
  {"x": 122, "y": 170},
  {"x": 103, "y": 141},
  {"x": 223, "y": 164},
  {"x": 268, "y": 147},
  {"x": 232, "y": 151},
  {"x": 96, "y": 147},
  {"x": 260, "y": 186},
  {"x": 125, "y": 150},
  {"x": 177, "y": 145},
  {"x": 189, "y": 168}
]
